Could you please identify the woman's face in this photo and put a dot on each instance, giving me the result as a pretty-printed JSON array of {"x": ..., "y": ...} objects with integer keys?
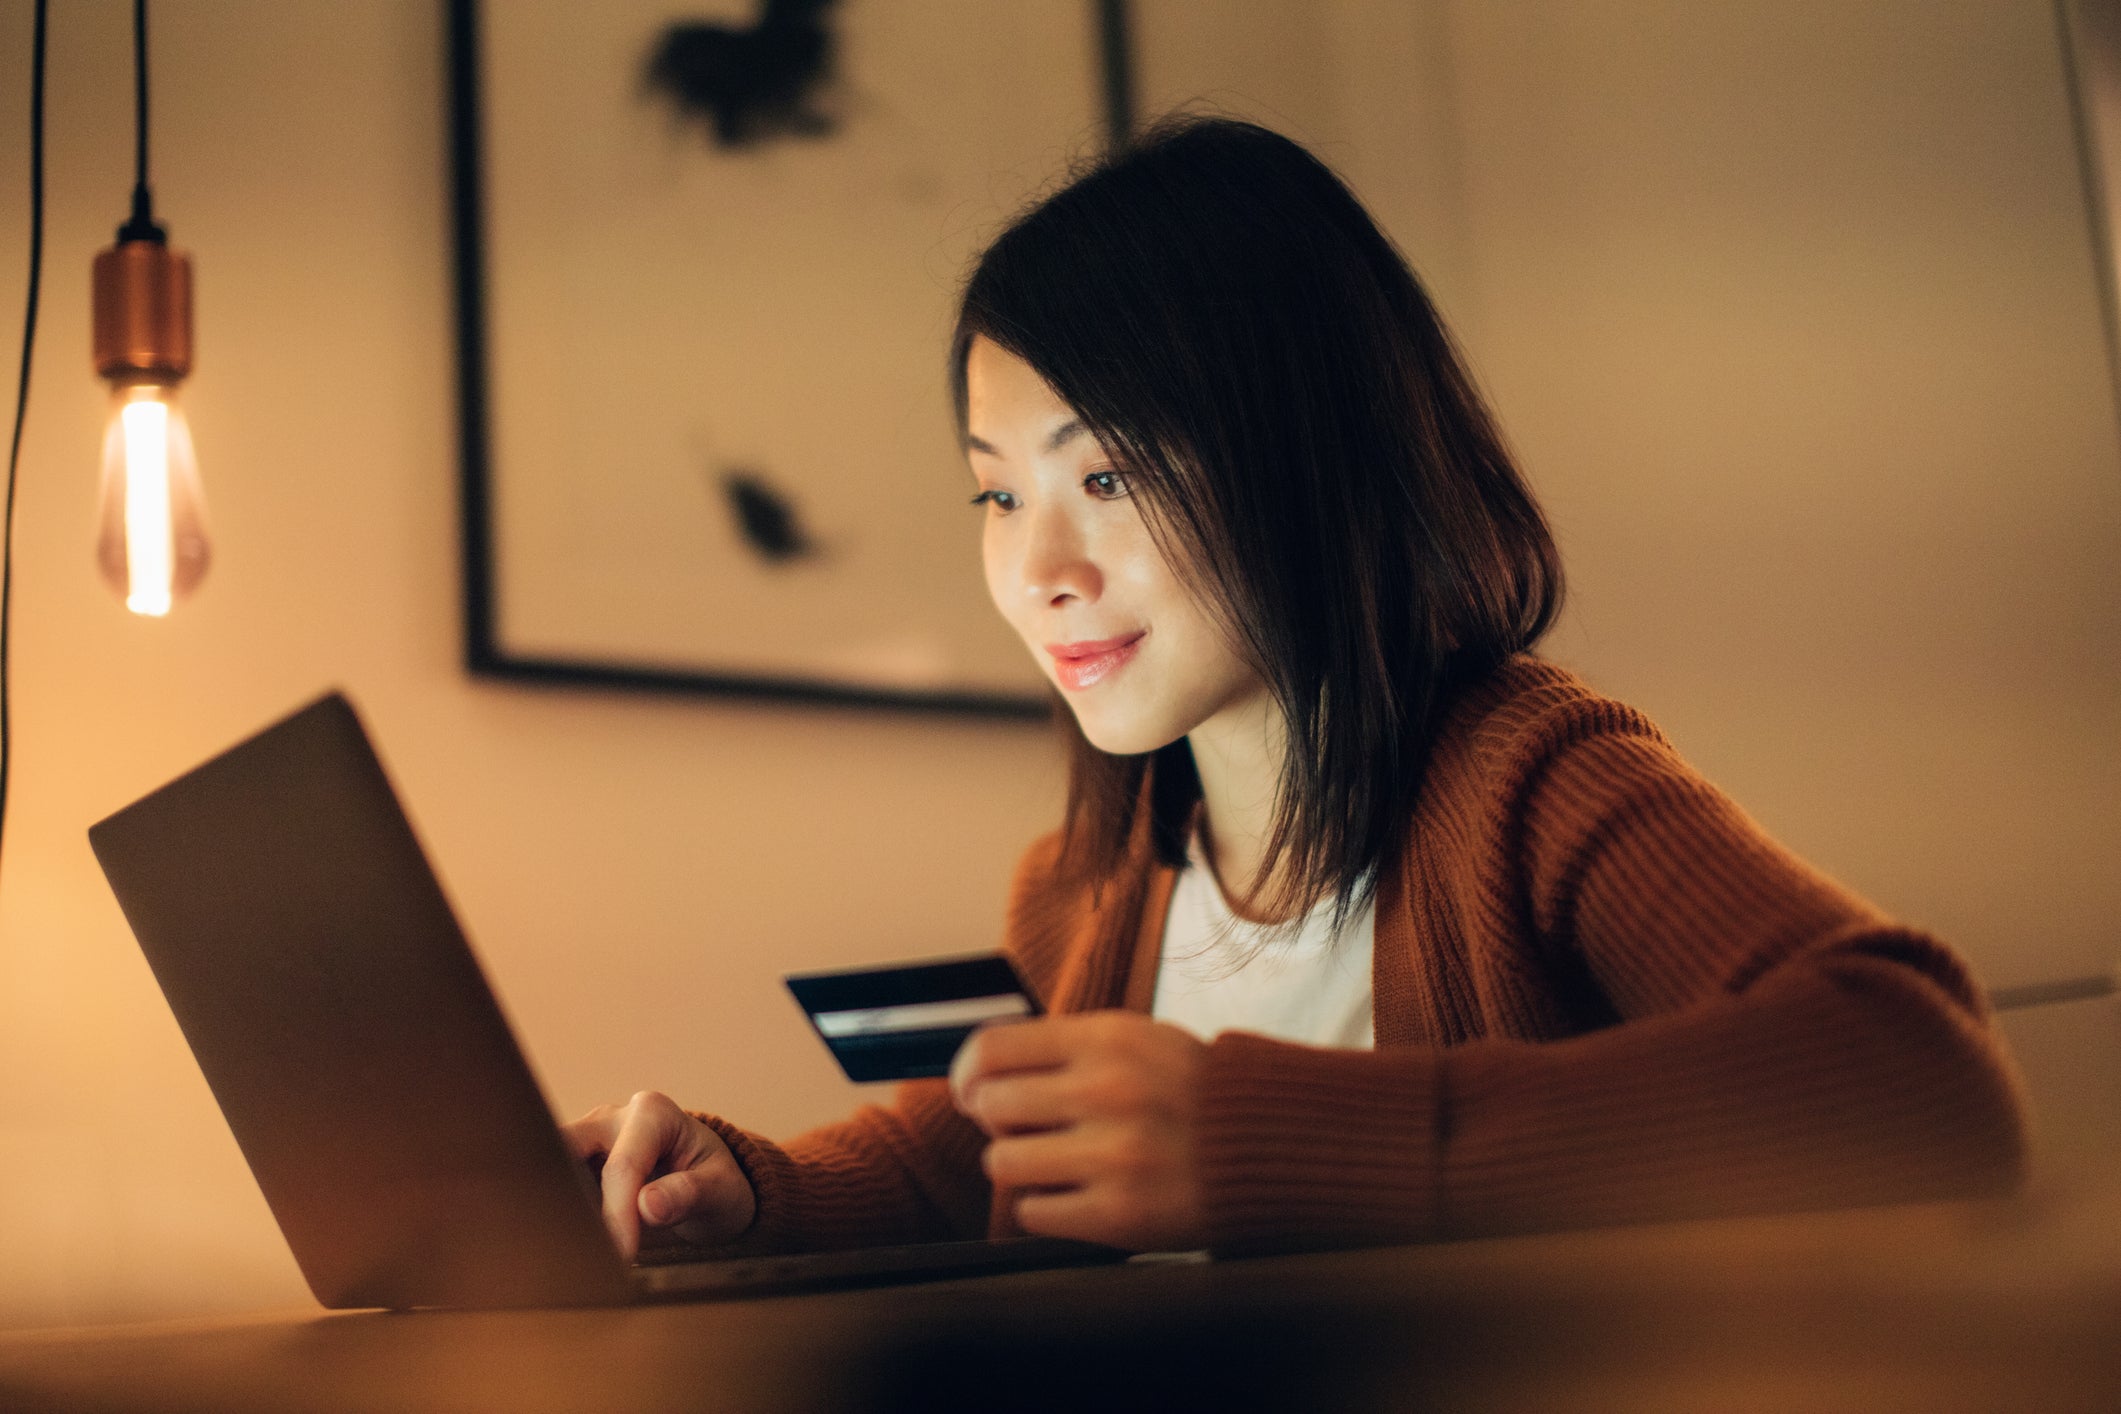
[{"x": 1072, "y": 568}]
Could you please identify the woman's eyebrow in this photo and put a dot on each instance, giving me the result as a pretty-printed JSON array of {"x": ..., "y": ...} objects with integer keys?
[
  {"x": 1059, "y": 437},
  {"x": 1065, "y": 433}
]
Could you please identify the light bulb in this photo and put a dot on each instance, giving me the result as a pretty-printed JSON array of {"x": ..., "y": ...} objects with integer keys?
[{"x": 151, "y": 522}]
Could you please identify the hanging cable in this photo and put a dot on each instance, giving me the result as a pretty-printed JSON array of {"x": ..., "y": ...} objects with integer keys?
[
  {"x": 151, "y": 540},
  {"x": 141, "y": 226},
  {"x": 139, "y": 98},
  {"x": 29, "y": 343}
]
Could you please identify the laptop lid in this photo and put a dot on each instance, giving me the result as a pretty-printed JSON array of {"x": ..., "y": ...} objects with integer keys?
[{"x": 336, "y": 1010}]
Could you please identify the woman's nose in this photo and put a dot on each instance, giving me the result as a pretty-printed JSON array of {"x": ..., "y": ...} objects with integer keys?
[{"x": 1057, "y": 562}]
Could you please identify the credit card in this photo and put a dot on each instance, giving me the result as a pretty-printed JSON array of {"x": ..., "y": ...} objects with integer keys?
[{"x": 903, "y": 1023}]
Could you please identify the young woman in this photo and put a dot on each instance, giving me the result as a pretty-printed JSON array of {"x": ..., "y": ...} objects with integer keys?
[{"x": 1362, "y": 924}]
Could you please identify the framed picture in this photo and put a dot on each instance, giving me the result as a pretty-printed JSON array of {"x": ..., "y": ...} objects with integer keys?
[{"x": 707, "y": 259}]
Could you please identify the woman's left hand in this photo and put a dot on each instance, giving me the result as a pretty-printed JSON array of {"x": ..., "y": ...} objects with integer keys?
[{"x": 1092, "y": 1118}]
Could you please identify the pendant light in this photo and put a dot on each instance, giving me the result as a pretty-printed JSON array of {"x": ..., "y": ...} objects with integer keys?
[{"x": 151, "y": 524}]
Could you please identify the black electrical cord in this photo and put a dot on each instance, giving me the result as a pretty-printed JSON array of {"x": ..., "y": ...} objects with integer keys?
[
  {"x": 140, "y": 94},
  {"x": 141, "y": 225},
  {"x": 29, "y": 343}
]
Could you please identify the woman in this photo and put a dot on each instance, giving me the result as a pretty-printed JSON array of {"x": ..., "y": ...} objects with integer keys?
[{"x": 1362, "y": 924}]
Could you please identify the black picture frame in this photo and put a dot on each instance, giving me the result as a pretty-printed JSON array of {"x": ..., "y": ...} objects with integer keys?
[{"x": 484, "y": 654}]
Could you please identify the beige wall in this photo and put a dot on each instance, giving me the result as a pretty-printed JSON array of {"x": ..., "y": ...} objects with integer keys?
[
  {"x": 636, "y": 873},
  {"x": 1873, "y": 594},
  {"x": 1790, "y": 311}
]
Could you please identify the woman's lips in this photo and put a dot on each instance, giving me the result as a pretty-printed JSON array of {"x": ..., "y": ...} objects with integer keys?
[{"x": 1085, "y": 664}]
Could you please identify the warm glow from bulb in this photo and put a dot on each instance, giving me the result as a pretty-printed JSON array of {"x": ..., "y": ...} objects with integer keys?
[
  {"x": 151, "y": 535},
  {"x": 149, "y": 540}
]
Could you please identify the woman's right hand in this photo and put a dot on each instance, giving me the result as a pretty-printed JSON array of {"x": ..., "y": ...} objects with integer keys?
[{"x": 664, "y": 1169}]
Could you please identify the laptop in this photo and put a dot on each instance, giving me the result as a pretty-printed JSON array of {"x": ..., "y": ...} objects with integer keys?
[{"x": 337, "y": 1011}]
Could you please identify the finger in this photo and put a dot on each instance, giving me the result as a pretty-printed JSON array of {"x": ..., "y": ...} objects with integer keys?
[
  {"x": 591, "y": 1135},
  {"x": 1024, "y": 1102},
  {"x": 1040, "y": 1043},
  {"x": 634, "y": 1154},
  {"x": 1078, "y": 1213},
  {"x": 710, "y": 1203},
  {"x": 1063, "y": 1158}
]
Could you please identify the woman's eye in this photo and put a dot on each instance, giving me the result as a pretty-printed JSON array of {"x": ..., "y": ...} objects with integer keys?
[
  {"x": 1107, "y": 485},
  {"x": 1002, "y": 501}
]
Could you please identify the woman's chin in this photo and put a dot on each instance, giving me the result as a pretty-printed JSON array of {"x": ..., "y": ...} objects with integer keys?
[{"x": 1122, "y": 733}]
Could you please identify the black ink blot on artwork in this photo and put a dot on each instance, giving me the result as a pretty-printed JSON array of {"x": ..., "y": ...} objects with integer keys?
[
  {"x": 765, "y": 517},
  {"x": 749, "y": 85}
]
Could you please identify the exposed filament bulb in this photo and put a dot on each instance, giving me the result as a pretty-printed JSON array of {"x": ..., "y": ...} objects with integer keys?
[{"x": 151, "y": 541}]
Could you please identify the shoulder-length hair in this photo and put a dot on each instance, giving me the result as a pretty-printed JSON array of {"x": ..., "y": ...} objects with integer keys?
[{"x": 1310, "y": 455}]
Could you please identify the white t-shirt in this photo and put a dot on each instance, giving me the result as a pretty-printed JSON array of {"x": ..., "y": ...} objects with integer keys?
[{"x": 1220, "y": 973}]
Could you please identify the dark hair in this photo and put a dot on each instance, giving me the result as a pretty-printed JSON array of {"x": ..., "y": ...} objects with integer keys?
[{"x": 1309, "y": 454}]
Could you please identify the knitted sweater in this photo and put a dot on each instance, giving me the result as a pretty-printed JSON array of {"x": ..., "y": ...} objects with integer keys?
[{"x": 1603, "y": 994}]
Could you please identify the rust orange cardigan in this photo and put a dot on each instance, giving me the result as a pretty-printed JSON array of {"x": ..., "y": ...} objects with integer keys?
[{"x": 1603, "y": 994}]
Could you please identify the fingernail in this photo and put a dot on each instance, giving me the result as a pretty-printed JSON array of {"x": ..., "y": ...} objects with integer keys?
[{"x": 655, "y": 1206}]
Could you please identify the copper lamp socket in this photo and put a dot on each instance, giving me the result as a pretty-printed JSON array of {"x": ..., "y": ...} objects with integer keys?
[{"x": 142, "y": 312}]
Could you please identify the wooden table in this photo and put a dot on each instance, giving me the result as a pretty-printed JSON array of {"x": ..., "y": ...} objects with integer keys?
[{"x": 2000, "y": 1306}]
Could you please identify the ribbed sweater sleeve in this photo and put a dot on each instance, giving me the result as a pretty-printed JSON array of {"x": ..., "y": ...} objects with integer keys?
[
  {"x": 1603, "y": 994},
  {"x": 906, "y": 1173},
  {"x": 1772, "y": 1042}
]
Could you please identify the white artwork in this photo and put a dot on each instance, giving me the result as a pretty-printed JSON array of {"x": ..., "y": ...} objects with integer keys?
[{"x": 706, "y": 300}]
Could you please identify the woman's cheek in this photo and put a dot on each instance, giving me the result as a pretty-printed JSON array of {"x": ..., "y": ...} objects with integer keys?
[{"x": 1000, "y": 570}]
